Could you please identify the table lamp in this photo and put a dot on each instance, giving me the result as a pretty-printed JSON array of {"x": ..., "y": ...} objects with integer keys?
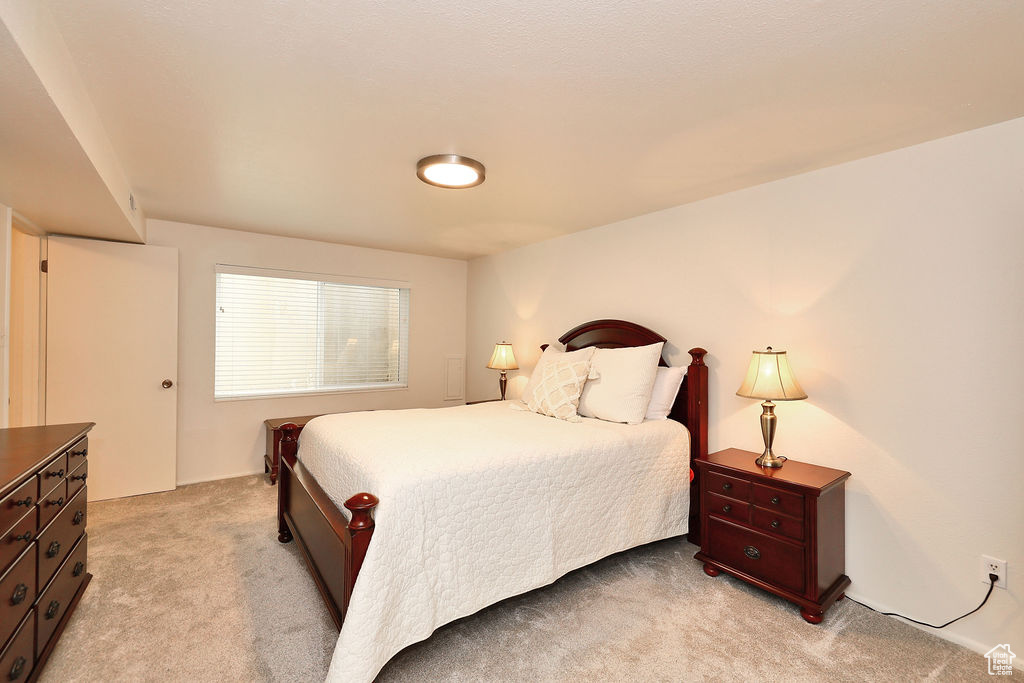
[
  {"x": 769, "y": 377},
  {"x": 503, "y": 359}
]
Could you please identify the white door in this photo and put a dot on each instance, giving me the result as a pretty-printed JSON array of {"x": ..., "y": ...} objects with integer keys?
[{"x": 111, "y": 345}]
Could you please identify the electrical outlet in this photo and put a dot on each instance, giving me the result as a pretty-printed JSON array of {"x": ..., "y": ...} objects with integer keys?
[{"x": 991, "y": 565}]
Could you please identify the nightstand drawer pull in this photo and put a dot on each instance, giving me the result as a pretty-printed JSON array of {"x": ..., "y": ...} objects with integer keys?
[
  {"x": 726, "y": 486},
  {"x": 752, "y": 552},
  {"x": 17, "y": 668},
  {"x": 774, "y": 500},
  {"x": 775, "y": 524},
  {"x": 727, "y": 508},
  {"x": 52, "y": 609}
]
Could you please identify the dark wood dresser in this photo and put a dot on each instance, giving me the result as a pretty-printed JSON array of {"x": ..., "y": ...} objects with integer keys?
[
  {"x": 43, "y": 547},
  {"x": 783, "y": 530}
]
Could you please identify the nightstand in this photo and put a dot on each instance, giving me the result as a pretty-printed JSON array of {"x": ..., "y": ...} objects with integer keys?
[
  {"x": 782, "y": 530},
  {"x": 272, "y": 458}
]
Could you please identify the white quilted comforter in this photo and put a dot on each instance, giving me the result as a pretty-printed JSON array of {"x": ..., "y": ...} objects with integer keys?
[{"x": 480, "y": 503}]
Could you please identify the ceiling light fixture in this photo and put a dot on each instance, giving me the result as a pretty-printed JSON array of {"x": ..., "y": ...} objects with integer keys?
[{"x": 450, "y": 170}]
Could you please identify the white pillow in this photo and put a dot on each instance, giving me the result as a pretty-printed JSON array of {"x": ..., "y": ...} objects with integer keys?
[
  {"x": 549, "y": 355},
  {"x": 558, "y": 392},
  {"x": 621, "y": 383},
  {"x": 666, "y": 387}
]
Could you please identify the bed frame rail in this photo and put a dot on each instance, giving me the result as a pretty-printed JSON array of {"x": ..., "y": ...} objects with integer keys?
[{"x": 320, "y": 530}]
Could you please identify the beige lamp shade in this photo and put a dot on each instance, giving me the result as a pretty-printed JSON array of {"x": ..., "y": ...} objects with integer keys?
[
  {"x": 770, "y": 378},
  {"x": 503, "y": 358}
]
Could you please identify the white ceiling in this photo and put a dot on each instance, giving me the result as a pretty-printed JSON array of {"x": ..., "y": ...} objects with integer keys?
[{"x": 307, "y": 118}]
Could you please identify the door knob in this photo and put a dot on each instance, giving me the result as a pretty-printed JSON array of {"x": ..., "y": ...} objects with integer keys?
[{"x": 167, "y": 384}]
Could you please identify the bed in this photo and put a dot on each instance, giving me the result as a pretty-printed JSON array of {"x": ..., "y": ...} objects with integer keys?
[{"x": 477, "y": 503}]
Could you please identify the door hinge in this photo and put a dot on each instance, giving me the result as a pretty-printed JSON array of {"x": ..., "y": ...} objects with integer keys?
[{"x": 44, "y": 266}]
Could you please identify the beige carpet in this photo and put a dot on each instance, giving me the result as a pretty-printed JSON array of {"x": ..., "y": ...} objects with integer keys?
[{"x": 192, "y": 585}]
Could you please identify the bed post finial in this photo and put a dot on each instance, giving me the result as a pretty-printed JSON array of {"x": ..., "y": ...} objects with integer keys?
[
  {"x": 697, "y": 354},
  {"x": 360, "y": 526}
]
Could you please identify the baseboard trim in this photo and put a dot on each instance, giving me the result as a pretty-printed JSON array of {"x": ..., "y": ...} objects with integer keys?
[
  {"x": 953, "y": 637},
  {"x": 186, "y": 482}
]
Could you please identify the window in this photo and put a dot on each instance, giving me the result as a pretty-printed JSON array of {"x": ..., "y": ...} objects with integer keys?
[{"x": 284, "y": 333}]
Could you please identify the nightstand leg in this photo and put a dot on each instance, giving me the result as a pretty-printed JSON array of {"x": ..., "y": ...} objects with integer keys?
[
  {"x": 842, "y": 596},
  {"x": 711, "y": 570},
  {"x": 811, "y": 617}
]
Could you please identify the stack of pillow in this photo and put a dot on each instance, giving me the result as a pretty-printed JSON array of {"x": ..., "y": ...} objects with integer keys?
[{"x": 617, "y": 385}]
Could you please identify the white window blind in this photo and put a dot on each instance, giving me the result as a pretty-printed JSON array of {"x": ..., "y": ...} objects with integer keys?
[{"x": 292, "y": 333}]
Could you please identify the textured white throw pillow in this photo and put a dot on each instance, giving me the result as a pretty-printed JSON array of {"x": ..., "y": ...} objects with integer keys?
[
  {"x": 558, "y": 392},
  {"x": 624, "y": 379},
  {"x": 551, "y": 354},
  {"x": 666, "y": 387}
]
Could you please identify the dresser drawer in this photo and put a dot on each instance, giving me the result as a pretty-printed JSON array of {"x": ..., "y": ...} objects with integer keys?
[
  {"x": 16, "y": 659},
  {"x": 778, "y": 524},
  {"x": 728, "y": 507},
  {"x": 791, "y": 504},
  {"x": 727, "y": 486},
  {"x": 52, "y": 503},
  {"x": 52, "y": 475},
  {"x": 56, "y": 540},
  {"x": 17, "y": 592},
  {"x": 14, "y": 542},
  {"x": 54, "y": 601},
  {"x": 16, "y": 503},
  {"x": 76, "y": 479},
  {"x": 757, "y": 554},
  {"x": 77, "y": 454}
]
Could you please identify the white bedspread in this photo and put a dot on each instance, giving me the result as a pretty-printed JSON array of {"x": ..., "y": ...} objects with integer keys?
[{"x": 480, "y": 503}]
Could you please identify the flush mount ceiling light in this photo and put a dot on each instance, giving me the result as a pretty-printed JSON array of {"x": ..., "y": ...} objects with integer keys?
[{"x": 450, "y": 170}]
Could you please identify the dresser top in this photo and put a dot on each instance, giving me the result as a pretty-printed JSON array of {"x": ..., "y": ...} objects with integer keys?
[
  {"x": 792, "y": 472},
  {"x": 24, "y": 449}
]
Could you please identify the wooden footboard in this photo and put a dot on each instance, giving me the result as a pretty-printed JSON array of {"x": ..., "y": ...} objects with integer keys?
[{"x": 334, "y": 547}]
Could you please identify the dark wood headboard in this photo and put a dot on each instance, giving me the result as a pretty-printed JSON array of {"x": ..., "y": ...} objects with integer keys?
[{"x": 691, "y": 405}]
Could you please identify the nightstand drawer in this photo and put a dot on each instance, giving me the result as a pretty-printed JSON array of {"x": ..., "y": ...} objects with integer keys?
[
  {"x": 728, "y": 486},
  {"x": 779, "y": 524},
  {"x": 728, "y": 507},
  {"x": 791, "y": 504},
  {"x": 756, "y": 554}
]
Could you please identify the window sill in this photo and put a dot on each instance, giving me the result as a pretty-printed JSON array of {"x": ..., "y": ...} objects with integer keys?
[{"x": 304, "y": 394}]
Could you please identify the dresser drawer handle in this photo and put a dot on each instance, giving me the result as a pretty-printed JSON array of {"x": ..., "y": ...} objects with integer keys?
[
  {"x": 726, "y": 486},
  {"x": 17, "y": 668},
  {"x": 775, "y": 500},
  {"x": 79, "y": 477},
  {"x": 81, "y": 452},
  {"x": 27, "y": 536},
  {"x": 20, "y": 591},
  {"x": 79, "y": 568},
  {"x": 77, "y": 518},
  {"x": 775, "y": 524},
  {"x": 727, "y": 508},
  {"x": 752, "y": 552},
  {"x": 51, "y": 611},
  {"x": 26, "y": 502},
  {"x": 59, "y": 473},
  {"x": 59, "y": 502},
  {"x": 53, "y": 549}
]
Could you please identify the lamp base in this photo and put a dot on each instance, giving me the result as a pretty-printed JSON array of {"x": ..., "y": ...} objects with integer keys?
[
  {"x": 769, "y": 459},
  {"x": 503, "y": 383},
  {"x": 768, "y": 422}
]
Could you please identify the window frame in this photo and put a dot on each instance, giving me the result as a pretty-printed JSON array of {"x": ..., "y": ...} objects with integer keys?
[{"x": 403, "y": 285}]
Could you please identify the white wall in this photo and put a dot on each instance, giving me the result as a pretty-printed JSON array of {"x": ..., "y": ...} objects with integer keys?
[
  {"x": 224, "y": 439},
  {"x": 895, "y": 283}
]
